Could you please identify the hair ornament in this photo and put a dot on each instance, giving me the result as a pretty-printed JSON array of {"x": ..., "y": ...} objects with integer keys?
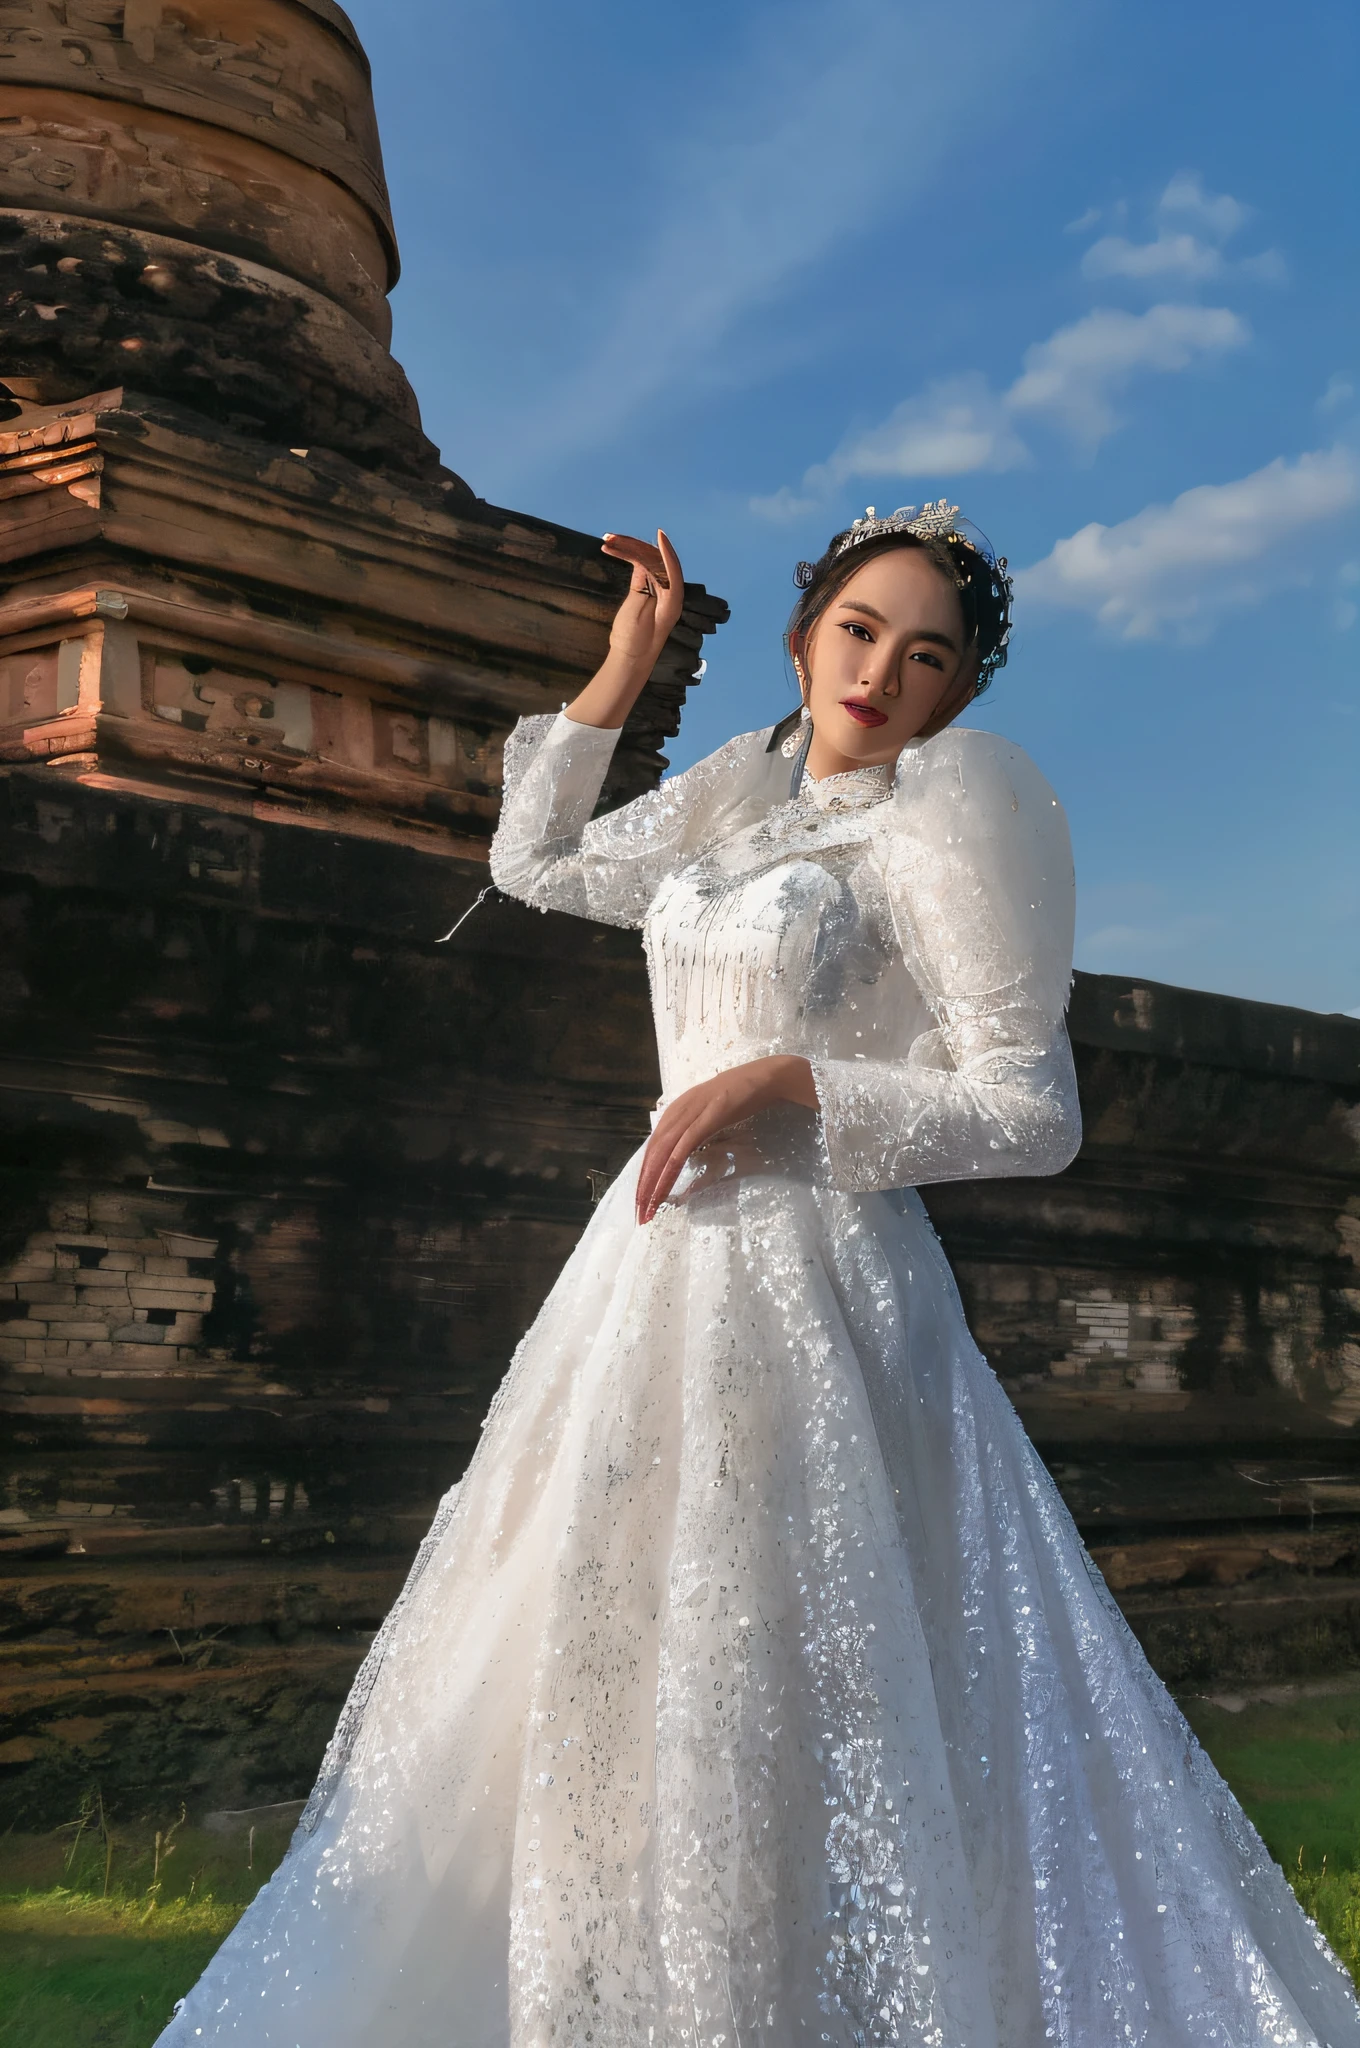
[
  {"x": 978, "y": 571},
  {"x": 932, "y": 522}
]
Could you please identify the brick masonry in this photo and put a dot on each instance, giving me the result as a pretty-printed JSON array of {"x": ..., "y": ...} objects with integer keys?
[{"x": 282, "y": 1180}]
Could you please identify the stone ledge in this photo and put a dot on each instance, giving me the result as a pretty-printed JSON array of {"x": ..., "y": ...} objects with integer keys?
[{"x": 1125, "y": 1015}]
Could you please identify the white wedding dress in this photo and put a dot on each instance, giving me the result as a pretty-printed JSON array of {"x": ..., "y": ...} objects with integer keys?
[{"x": 754, "y": 1687}]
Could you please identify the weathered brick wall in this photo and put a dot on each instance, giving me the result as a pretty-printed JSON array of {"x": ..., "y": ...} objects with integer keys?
[
  {"x": 282, "y": 1182},
  {"x": 205, "y": 1519}
]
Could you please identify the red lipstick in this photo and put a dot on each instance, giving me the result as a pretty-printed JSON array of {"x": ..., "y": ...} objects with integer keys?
[{"x": 863, "y": 714}]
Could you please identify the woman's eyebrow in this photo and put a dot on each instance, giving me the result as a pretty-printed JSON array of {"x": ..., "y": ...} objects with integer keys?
[{"x": 857, "y": 604}]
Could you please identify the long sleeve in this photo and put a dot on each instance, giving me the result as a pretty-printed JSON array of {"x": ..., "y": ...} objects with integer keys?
[
  {"x": 979, "y": 881},
  {"x": 551, "y": 853}
]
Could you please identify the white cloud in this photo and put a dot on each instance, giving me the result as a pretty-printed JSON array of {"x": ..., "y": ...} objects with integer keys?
[
  {"x": 1340, "y": 394},
  {"x": 1218, "y": 215},
  {"x": 1183, "y": 256},
  {"x": 1345, "y": 611},
  {"x": 960, "y": 425},
  {"x": 951, "y": 429},
  {"x": 1171, "y": 568},
  {"x": 784, "y": 507},
  {"x": 1267, "y": 268},
  {"x": 1074, "y": 375},
  {"x": 757, "y": 193},
  {"x": 1192, "y": 226},
  {"x": 1115, "y": 943}
]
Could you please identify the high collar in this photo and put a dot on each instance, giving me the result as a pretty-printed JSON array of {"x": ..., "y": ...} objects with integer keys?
[{"x": 853, "y": 790}]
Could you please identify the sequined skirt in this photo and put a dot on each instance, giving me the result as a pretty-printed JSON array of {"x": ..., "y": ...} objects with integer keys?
[{"x": 755, "y": 1688}]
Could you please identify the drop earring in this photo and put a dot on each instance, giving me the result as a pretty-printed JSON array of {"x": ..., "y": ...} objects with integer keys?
[
  {"x": 795, "y": 749},
  {"x": 798, "y": 740},
  {"x": 794, "y": 742}
]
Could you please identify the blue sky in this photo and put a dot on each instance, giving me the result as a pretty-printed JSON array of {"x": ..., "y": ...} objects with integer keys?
[{"x": 1089, "y": 269}]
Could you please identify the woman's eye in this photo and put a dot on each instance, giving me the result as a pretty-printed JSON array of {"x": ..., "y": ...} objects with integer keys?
[
  {"x": 933, "y": 659},
  {"x": 860, "y": 632}
]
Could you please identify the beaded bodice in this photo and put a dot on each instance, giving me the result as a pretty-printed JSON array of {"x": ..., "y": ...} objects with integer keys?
[{"x": 906, "y": 928}]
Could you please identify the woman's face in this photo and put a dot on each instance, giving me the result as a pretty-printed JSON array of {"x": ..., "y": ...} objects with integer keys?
[{"x": 883, "y": 657}]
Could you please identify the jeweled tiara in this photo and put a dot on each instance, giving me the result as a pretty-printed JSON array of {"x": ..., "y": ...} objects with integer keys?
[
  {"x": 932, "y": 522},
  {"x": 939, "y": 521}
]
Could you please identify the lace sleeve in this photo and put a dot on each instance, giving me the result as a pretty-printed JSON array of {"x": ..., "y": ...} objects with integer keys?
[
  {"x": 979, "y": 878},
  {"x": 551, "y": 853}
]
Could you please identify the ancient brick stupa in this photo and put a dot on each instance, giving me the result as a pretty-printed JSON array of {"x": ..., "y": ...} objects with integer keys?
[{"x": 281, "y": 1179}]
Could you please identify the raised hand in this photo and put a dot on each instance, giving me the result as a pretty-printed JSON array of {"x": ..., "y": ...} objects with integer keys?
[
  {"x": 656, "y": 596},
  {"x": 642, "y": 626}
]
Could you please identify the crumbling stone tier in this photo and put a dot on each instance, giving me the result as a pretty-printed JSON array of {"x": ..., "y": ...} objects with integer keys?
[
  {"x": 192, "y": 200},
  {"x": 282, "y": 1179}
]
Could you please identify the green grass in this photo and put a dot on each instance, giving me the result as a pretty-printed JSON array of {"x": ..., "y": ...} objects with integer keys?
[
  {"x": 1296, "y": 1769},
  {"x": 94, "y": 1950},
  {"x": 1333, "y": 1900},
  {"x": 80, "y": 1971}
]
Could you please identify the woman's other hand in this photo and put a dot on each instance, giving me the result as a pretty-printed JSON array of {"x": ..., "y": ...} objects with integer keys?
[
  {"x": 642, "y": 625},
  {"x": 713, "y": 1106}
]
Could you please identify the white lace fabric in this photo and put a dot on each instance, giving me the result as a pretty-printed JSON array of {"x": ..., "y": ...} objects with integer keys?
[
  {"x": 918, "y": 951},
  {"x": 754, "y": 1688}
]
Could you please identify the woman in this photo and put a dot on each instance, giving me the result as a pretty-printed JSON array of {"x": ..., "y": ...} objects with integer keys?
[{"x": 755, "y": 1688}]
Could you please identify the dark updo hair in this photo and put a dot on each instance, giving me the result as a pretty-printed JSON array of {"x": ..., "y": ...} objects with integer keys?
[{"x": 979, "y": 577}]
